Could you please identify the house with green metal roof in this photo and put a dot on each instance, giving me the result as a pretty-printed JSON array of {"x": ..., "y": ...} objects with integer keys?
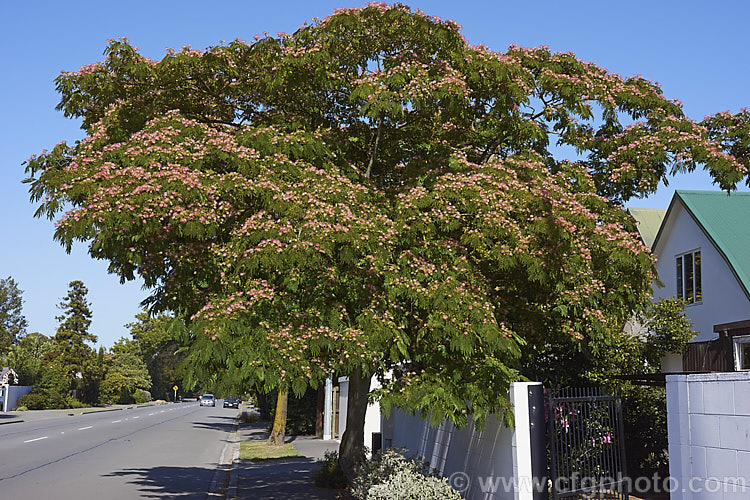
[{"x": 703, "y": 252}]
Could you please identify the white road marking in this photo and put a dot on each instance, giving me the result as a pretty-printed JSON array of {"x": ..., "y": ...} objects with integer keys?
[
  {"x": 84, "y": 428},
  {"x": 152, "y": 413},
  {"x": 116, "y": 421},
  {"x": 136, "y": 417},
  {"x": 37, "y": 439}
]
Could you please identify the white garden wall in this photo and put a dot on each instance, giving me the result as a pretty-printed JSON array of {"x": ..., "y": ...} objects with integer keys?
[
  {"x": 708, "y": 417},
  {"x": 491, "y": 464},
  {"x": 9, "y": 395}
]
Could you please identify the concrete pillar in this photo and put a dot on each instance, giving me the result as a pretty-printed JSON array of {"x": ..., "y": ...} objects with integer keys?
[
  {"x": 343, "y": 403},
  {"x": 328, "y": 410},
  {"x": 678, "y": 429},
  {"x": 523, "y": 469}
]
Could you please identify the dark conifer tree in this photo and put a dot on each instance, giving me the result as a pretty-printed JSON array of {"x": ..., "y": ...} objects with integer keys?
[{"x": 71, "y": 340}]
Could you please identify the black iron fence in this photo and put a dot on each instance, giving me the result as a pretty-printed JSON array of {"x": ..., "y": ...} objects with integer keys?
[{"x": 586, "y": 444}]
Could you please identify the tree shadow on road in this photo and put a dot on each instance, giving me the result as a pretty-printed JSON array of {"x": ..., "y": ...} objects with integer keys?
[
  {"x": 170, "y": 482},
  {"x": 219, "y": 423}
]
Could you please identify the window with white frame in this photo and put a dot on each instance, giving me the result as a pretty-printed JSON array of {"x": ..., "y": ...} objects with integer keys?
[
  {"x": 689, "y": 283},
  {"x": 742, "y": 353}
]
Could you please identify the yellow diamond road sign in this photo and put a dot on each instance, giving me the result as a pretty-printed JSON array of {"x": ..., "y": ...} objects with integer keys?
[{"x": 174, "y": 388}]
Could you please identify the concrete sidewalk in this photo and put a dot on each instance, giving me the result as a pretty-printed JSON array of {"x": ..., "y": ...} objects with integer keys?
[{"x": 284, "y": 479}]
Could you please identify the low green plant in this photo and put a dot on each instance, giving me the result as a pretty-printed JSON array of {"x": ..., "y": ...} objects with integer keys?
[
  {"x": 74, "y": 403},
  {"x": 141, "y": 396},
  {"x": 391, "y": 475},
  {"x": 42, "y": 399},
  {"x": 32, "y": 401},
  {"x": 410, "y": 485},
  {"x": 380, "y": 468},
  {"x": 330, "y": 474},
  {"x": 22, "y": 408},
  {"x": 55, "y": 400}
]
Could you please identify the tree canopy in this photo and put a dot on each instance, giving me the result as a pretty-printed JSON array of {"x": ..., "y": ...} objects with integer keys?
[
  {"x": 12, "y": 321},
  {"x": 373, "y": 195},
  {"x": 71, "y": 351},
  {"x": 27, "y": 357},
  {"x": 153, "y": 342},
  {"x": 125, "y": 374}
]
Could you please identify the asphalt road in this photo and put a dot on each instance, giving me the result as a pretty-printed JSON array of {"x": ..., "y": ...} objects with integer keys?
[{"x": 171, "y": 451}]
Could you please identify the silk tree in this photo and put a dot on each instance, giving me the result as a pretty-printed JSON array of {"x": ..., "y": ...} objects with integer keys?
[{"x": 373, "y": 196}]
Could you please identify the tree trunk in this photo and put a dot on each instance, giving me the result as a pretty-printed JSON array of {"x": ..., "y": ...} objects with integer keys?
[
  {"x": 353, "y": 440},
  {"x": 278, "y": 433}
]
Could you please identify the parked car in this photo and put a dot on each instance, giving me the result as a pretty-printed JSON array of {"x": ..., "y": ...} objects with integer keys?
[
  {"x": 208, "y": 400},
  {"x": 231, "y": 402}
]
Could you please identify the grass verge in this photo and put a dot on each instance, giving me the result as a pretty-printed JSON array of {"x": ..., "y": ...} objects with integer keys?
[{"x": 260, "y": 450}]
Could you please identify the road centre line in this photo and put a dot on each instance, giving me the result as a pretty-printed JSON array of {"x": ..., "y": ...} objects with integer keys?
[
  {"x": 37, "y": 439},
  {"x": 84, "y": 428},
  {"x": 116, "y": 421}
]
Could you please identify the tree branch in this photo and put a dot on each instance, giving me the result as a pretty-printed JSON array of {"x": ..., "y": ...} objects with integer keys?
[{"x": 368, "y": 173}]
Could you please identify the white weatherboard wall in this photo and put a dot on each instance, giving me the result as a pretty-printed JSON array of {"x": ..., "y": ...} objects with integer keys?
[
  {"x": 723, "y": 299},
  {"x": 708, "y": 417},
  {"x": 492, "y": 464}
]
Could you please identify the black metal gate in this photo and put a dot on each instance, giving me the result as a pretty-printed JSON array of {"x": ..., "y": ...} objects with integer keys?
[{"x": 586, "y": 444}]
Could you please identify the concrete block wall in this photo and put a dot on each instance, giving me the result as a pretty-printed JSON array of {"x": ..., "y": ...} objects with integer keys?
[
  {"x": 708, "y": 419},
  {"x": 494, "y": 463}
]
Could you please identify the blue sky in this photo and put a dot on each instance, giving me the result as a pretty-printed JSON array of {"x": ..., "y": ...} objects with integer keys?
[{"x": 696, "y": 50}]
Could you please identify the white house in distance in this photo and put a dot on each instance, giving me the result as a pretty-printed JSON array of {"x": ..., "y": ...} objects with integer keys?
[
  {"x": 9, "y": 392},
  {"x": 703, "y": 252}
]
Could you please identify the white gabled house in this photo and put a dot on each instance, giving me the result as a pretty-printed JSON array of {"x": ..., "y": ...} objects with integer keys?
[{"x": 703, "y": 252}]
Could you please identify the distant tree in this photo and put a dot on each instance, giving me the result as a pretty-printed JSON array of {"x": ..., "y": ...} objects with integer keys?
[
  {"x": 27, "y": 357},
  {"x": 71, "y": 350},
  {"x": 91, "y": 376},
  {"x": 154, "y": 342},
  {"x": 55, "y": 375},
  {"x": 12, "y": 322},
  {"x": 125, "y": 373}
]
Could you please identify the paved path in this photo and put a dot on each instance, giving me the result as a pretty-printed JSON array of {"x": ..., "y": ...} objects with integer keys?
[{"x": 286, "y": 479}]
